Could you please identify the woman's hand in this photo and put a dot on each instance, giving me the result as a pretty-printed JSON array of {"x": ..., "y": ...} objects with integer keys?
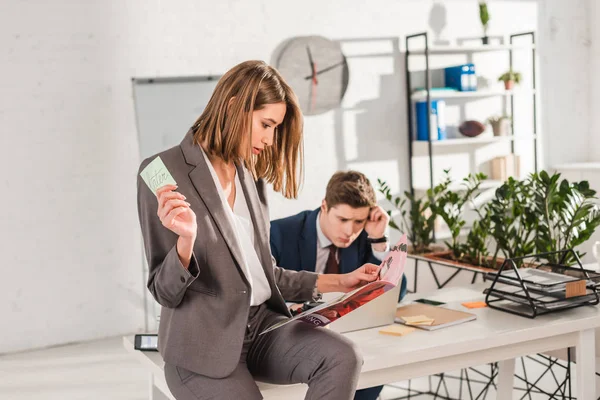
[{"x": 175, "y": 213}]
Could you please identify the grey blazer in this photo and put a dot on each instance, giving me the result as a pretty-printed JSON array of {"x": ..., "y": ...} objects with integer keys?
[{"x": 205, "y": 308}]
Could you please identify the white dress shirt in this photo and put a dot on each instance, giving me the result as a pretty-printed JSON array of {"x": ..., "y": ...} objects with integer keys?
[
  {"x": 241, "y": 220},
  {"x": 323, "y": 252}
]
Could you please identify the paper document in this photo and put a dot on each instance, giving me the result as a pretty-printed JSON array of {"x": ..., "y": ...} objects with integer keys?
[
  {"x": 392, "y": 268},
  {"x": 156, "y": 175}
]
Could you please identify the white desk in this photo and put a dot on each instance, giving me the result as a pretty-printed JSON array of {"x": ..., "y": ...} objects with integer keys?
[{"x": 494, "y": 336}]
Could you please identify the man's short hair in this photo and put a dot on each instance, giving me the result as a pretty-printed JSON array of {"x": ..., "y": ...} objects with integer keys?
[{"x": 351, "y": 188}]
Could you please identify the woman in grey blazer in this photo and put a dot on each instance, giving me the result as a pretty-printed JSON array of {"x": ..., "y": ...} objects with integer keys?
[{"x": 207, "y": 245}]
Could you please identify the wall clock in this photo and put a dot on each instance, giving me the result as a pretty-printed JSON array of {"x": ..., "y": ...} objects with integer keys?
[{"x": 316, "y": 68}]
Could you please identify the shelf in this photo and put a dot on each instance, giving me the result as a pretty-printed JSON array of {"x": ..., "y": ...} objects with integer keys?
[
  {"x": 456, "y": 186},
  {"x": 421, "y": 95},
  {"x": 470, "y": 49},
  {"x": 584, "y": 166},
  {"x": 422, "y": 145}
]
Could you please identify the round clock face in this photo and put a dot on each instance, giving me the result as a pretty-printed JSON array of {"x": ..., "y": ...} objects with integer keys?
[{"x": 316, "y": 69}]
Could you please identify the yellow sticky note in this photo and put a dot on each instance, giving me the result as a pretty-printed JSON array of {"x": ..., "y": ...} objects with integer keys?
[
  {"x": 428, "y": 322},
  {"x": 416, "y": 319},
  {"x": 396, "y": 330}
]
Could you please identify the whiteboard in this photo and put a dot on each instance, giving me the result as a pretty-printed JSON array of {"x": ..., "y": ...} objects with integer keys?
[{"x": 166, "y": 108}]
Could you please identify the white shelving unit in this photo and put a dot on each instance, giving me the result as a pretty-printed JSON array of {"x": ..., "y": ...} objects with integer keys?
[
  {"x": 421, "y": 95},
  {"x": 422, "y": 145},
  {"x": 471, "y": 49}
]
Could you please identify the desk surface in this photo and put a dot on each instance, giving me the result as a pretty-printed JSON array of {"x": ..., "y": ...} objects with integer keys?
[{"x": 492, "y": 329}]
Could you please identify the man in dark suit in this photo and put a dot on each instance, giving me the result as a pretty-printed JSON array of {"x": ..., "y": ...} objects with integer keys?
[{"x": 347, "y": 231}]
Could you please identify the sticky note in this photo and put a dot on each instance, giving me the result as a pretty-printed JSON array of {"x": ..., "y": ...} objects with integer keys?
[
  {"x": 475, "y": 304},
  {"x": 574, "y": 289},
  {"x": 396, "y": 330},
  {"x": 156, "y": 175},
  {"x": 420, "y": 323},
  {"x": 418, "y": 319}
]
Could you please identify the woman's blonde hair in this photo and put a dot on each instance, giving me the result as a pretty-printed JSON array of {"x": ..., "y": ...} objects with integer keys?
[{"x": 225, "y": 125}]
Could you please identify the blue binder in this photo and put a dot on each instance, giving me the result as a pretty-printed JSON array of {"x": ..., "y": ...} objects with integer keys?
[
  {"x": 461, "y": 77},
  {"x": 437, "y": 123}
]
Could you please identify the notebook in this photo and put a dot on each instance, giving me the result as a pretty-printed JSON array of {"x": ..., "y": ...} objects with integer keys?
[{"x": 442, "y": 317}]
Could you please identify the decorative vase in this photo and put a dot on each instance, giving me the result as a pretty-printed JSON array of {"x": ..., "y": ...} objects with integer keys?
[{"x": 501, "y": 128}]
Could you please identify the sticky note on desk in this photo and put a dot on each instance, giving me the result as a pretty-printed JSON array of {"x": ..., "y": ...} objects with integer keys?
[
  {"x": 475, "y": 304},
  {"x": 417, "y": 320},
  {"x": 156, "y": 175},
  {"x": 396, "y": 330}
]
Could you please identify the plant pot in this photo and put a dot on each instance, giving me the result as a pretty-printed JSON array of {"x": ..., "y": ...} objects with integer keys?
[
  {"x": 485, "y": 40},
  {"x": 501, "y": 128},
  {"x": 509, "y": 85},
  {"x": 446, "y": 258},
  {"x": 434, "y": 248}
]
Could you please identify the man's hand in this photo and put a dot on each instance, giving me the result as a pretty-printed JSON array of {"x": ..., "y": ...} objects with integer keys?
[
  {"x": 347, "y": 282},
  {"x": 359, "y": 277},
  {"x": 377, "y": 222}
]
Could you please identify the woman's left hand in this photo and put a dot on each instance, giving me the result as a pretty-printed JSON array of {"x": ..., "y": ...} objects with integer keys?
[{"x": 359, "y": 277}]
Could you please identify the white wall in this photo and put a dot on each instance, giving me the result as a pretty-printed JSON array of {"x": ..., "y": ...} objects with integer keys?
[
  {"x": 70, "y": 238},
  {"x": 594, "y": 128},
  {"x": 570, "y": 61},
  {"x": 565, "y": 73}
]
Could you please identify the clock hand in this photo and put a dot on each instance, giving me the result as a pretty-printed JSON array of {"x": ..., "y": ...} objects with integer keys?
[
  {"x": 310, "y": 59},
  {"x": 313, "y": 66},
  {"x": 324, "y": 70}
]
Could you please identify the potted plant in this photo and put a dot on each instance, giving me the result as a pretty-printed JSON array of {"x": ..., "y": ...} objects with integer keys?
[
  {"x": 500, "y": 125},
  {"x": 484, "y": 17},
  {"x": 417, "y": 220},
  {"x": 567, "y": 214},
  {"x": 513, "y": 220},
  {"x": 510, "y": 78},
  {"x": 449, "y": 205},
  {"x": 540, "y": 214},
  {"x": 476, "y": 248}
]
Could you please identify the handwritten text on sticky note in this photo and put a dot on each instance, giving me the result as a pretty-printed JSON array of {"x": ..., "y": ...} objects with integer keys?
[{"x": 156, "y": 175}]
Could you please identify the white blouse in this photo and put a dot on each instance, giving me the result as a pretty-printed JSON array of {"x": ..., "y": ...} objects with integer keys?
[{"x": 241, "y": 220}]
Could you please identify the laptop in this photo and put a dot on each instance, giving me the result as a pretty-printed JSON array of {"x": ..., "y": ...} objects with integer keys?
[{"x": 378, "y": 312}]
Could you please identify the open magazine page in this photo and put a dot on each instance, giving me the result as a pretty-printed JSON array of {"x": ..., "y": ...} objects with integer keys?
[{"x": 392, "y": 268}]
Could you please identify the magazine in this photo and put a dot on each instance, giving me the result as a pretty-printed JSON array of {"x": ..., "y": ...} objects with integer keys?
[{"x": 392, "y": 268}]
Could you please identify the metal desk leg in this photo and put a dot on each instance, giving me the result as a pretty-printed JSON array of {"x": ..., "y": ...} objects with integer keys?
[
  {"x": 151, "y": 386},
  {"x": 506, "y": 376},
  {"x": 585, "y": 367}
]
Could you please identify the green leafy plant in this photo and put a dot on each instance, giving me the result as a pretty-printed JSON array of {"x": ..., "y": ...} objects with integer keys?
[
  {"x": 477, "y": 243},
  {"x": 510, "y": 75},
  {"x": 495, "y": 119},
  {"x": 417, "y": 220},
  {"x": 513, "y": 219},
  {"x": 449, "y": 205},
  {"x": 568, "y": 214},
  {"x": 484, "y": 16}
]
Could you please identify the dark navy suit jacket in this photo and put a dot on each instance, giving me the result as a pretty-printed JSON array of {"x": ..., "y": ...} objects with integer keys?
[{"x": 294, "y": 246}]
